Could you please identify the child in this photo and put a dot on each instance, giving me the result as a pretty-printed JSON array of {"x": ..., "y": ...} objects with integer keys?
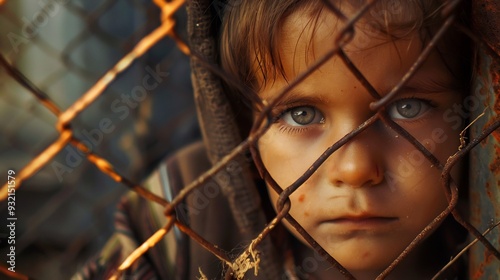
[
  {"x": 373, "y": 196},
  {"x": 370, "y": 198}
]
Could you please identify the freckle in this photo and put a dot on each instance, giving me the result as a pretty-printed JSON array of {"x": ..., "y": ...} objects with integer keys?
[
  {"x": 306, "y": 214},
  {"x": 302, "y": 197}
]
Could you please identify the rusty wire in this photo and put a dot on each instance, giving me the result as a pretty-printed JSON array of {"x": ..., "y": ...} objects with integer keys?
[{"x": 262, "y": 123}]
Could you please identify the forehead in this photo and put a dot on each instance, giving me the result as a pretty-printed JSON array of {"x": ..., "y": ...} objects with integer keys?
[
  {"x": 308, "y": 38},
  {"x": 382, "y": 59}
]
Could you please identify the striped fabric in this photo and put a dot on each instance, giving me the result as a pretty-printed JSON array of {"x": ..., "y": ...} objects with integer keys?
[{"x": 136, "y": 219}]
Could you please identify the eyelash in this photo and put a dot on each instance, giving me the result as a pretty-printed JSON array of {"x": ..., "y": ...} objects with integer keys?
[
  {"x": 293, "y": 129},
  {"x": 284, "y": 128},
  {"x": 425, "y": 100}
]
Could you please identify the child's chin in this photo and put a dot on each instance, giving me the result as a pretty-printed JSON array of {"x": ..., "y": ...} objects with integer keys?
[
  {"x": 364, "y": 257},
  {"x": 375, "y": 264},
  {"x": 375, "y": 267}
]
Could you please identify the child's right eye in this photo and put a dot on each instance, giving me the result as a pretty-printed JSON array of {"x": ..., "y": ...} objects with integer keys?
[
  {"x": 302, "y": 116},
  {"x": 408, "y": 108}
]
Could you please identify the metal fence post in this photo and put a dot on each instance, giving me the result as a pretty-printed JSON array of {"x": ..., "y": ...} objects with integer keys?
[{"x": 485, "y": 159}]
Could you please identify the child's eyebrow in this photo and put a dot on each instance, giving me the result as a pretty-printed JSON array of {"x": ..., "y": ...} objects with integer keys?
[
  {"x": 296, "y": 96},
  {"x": 424, "y": 90},
  {"x": 432, "y": 85}
]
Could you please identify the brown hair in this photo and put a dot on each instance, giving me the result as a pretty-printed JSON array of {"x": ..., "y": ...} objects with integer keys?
[{"x": 249, "y": 46}]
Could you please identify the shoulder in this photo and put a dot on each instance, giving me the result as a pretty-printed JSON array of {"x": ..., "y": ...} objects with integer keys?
[{"x": 137, "y": 219}]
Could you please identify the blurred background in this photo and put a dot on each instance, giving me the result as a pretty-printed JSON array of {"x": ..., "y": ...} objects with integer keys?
[{"x": 63, "y": 47}]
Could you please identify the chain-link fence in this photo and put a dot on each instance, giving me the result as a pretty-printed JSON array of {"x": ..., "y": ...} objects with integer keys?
[
  {"x": 76, "y": 144},
  {"x": 55, "y": 51}
]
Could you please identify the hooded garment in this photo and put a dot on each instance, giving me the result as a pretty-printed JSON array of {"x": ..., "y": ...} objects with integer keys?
[{"x": 226, "y": 211}]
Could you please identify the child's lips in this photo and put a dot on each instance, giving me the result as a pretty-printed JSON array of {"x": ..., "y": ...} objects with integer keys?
[
  {"x": 364, "y": 219},
  {"x": 363, "y": 222}
]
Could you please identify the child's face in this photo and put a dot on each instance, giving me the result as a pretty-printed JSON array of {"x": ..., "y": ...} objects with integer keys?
[{"x": 372, "y": 197}]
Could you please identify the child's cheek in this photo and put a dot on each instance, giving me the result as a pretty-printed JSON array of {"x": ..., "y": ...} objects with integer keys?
[
  {"x": 438, "y": 137},
  {"x": 441, "y": 140},
  {"x": 287, "y": 157}
]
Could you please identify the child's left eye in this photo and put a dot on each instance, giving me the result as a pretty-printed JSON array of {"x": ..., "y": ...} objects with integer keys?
[
  {"x": 302, "y": 116},
  {"x": 408, "y": 108}
]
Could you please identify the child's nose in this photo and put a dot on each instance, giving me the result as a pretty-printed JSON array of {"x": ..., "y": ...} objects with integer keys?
[{"x": 358, "y": 163}]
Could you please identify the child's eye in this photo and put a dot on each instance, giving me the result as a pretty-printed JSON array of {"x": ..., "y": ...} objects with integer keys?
[
  {"x": 408, "y": 108},
  {"x": 302, "y": 115}
]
